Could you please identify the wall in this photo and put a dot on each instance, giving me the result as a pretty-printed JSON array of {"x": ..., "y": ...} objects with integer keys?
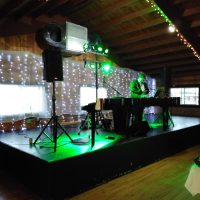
[
  {"x": 21, "y": 63},
  {"x": 28, "y": 43},
  {"x": 186, "y": 79},
  {"x": 20, "y": 43}
]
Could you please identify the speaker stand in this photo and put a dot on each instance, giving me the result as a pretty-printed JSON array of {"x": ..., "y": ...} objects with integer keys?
[{"x": 56, "y": 124}]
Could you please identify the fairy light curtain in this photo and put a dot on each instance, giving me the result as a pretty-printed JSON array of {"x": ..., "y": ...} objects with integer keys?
[{"x": 26, "y": 69}]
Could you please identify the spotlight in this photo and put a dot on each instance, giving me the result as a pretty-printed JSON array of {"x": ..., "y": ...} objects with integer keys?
[
  {"x": 95, "y": 45},
  {"x": 106, "y": 68},
  {"x": 99, "y": 49},
  {"x": 106, "y": 51},
  {"x": 92, "y": 65}
]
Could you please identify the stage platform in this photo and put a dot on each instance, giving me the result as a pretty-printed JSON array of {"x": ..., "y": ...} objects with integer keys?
[{"x": 76, "y": 166}]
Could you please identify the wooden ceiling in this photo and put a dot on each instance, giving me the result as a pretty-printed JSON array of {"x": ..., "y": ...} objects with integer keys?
[{"x": 136, "y": 35}]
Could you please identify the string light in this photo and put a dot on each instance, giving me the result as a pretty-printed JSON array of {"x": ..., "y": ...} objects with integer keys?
[
  {"x": 27, "y": 69},
  {"x": 171, "y": 28},
  {"x": 158, "y": 10}
]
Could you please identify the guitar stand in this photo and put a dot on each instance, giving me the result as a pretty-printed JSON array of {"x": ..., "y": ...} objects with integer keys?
[{"x": 54, "y": 120}]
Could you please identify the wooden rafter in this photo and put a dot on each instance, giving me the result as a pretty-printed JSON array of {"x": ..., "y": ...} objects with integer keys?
[
  {"x": 130, "y": 29},
  {"x": 155, "y": 42},
  {"x": 176, "y": 17}
]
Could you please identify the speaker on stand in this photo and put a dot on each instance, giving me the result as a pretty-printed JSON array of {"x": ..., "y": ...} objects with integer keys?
[
  {"x": 53, "y": 71},
  {"x": 53, "y": 65}
]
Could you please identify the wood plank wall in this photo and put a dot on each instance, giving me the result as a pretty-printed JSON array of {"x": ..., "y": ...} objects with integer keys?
[
  {"x": 27, "y": 43},
  {"x": 20, "y": 43}
]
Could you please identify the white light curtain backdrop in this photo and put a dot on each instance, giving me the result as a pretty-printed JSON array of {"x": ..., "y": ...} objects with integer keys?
[{"x": 32, "y": 96}]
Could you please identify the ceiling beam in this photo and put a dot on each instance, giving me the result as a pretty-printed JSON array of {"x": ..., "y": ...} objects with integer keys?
[
  {"x": 175, "y": 71},
  {"x": 94, "y": 13},
  {"x": 175, "y": 15},
  {"x": 137, "y": 37},
  {"x": 49, "y": 6},
  {"x": 164, "y": 50},
  {"x": 175, "y": 62},
  {"x": 185, "y": 68},
  {"x": 10, "y": 7},
  {"x": 29, "y": 8},
  {"x": 191, "y": 11},
  {"x": 116, "y": 20},
  {"x": 146, "y": 44},
  {"x": 133, "y": 28},
  {"x": 172, "y": 64},
  {"x": 195, "y": 23},
  {"x": 163, "y": 58},
  {"x": 70, "y": 7},
  {"x": 179, "y": 1}
]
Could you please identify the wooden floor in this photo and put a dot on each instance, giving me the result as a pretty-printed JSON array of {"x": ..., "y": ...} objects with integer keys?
[{"x": 162, "y": 180}]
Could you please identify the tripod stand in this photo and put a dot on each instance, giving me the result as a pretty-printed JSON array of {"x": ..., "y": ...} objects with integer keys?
[{"x": 56, "y": 124}]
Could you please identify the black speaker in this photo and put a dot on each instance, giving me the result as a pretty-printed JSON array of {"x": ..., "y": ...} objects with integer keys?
[
  {"x": 139, "y": 128},
  {"x": 52, "y": 36},
  {"x": 53, "y": 66}
]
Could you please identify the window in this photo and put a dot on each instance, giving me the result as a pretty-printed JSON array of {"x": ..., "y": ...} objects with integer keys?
[
  {"x": 88, "y": 95},
  {"x": 188, "y": 95},
  {"x": 18, "y": 99}
]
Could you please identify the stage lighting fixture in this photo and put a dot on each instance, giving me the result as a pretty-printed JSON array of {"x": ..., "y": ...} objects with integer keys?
[
  {"x": 95, "y": 46},
  {"x": 92, "y": 65},
  {"x": 99, "y": 48},
  {"x": 106, "y": 67},
  {"x": 106, "y": 51},
  {"x": 85, "y": 47}
]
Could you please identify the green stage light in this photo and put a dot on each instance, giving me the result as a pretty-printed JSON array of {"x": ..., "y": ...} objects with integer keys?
[
  {"x": 106, "y": 68},
  {"x": 99, "y": 48},
  {"x": 106, "y": 51},
  {"x": 92, "y": 65},
  {"x": 85, "y": 46}
]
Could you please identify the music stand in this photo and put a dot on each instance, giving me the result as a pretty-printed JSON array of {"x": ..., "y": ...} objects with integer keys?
[{"x": 56, "y": 124}]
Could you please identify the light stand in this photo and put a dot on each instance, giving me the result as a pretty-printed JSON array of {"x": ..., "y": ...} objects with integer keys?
[
  {"x": 95, "y": 48},
  {"x": 96, "y": 76},
  {"x": 56, "y": 124},
  {"x": 93, "y": 114}
]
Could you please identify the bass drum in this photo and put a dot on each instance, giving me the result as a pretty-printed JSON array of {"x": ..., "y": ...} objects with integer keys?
[{"x": 52, "y": 36}]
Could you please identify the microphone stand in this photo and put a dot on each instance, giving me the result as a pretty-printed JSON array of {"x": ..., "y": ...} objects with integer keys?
[{"x": 105, "y": 82}]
